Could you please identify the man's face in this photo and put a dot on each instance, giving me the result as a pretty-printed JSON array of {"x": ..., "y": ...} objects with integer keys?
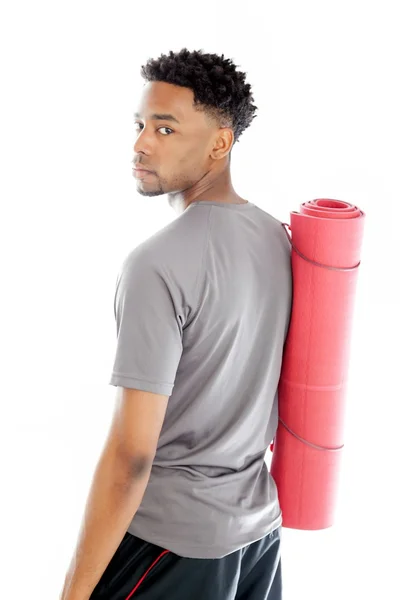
[{"x": 176, "y": 153}]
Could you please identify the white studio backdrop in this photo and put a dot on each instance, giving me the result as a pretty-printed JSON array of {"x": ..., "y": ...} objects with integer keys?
[{"x": 325, "y": 80}]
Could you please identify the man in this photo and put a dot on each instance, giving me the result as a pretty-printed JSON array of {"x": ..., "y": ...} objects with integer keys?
[{"x": 182, "y": 505}]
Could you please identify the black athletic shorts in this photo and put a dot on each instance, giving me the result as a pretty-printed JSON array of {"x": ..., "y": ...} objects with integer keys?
[{"x": 144, "y": 571}]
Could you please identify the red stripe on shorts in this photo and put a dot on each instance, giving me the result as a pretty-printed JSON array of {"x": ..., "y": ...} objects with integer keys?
[{"x": 147, "y": 572}]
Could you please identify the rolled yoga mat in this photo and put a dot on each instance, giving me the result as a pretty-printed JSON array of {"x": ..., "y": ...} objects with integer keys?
[{"x": 326, "y": 238}]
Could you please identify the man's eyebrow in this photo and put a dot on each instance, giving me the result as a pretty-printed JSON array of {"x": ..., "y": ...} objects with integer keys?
[{"x": 160, "y": 117}]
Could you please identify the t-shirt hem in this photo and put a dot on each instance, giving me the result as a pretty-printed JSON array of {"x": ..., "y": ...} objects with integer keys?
[{"x": 200, "y": 551}]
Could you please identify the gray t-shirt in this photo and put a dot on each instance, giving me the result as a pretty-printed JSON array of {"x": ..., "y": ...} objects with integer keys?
[{"x": 202, "y": 311}]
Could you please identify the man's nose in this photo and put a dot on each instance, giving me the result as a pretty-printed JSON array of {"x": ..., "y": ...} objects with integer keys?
[{"x": 143, "y": 143}]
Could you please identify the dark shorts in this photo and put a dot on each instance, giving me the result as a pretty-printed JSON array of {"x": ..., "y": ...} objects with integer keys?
[{"x": 144, "y": 571}]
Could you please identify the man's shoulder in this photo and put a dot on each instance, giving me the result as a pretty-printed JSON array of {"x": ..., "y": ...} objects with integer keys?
[
  {"x": 175, "y": 252},
  {"x": 182, "y": 237}
]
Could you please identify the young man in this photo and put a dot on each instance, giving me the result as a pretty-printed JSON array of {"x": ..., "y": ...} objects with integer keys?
[{"x": 182, "y": 505}]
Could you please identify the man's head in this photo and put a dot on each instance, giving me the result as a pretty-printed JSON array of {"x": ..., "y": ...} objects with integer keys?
[{"x": 193, "y": 108}]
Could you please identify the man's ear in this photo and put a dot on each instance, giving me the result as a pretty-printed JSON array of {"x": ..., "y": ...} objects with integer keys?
[{"x": 223, "y": 143}]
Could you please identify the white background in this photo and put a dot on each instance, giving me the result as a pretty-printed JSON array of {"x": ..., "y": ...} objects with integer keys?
[{"x": 325, "y": 78}]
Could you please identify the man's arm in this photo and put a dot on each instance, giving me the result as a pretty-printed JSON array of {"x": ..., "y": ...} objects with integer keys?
[{"x": 118, "y": 486}]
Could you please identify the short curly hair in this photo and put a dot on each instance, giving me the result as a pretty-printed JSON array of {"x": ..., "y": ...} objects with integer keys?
[{"x": 219, "y": 88}]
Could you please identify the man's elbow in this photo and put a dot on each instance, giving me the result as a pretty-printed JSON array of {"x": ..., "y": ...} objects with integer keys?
[
  {"x": 140, "y": 466},
  {"x": 126, "y": 466}
]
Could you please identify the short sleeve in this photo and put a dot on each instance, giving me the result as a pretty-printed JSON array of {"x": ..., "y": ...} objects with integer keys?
[{"x": 149, "y": 329}]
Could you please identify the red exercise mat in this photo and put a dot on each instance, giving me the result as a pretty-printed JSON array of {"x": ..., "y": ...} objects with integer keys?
[{"x": 326, "y": 243}]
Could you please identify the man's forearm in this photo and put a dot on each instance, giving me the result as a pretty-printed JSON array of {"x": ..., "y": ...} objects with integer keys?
[{"x": 115, "y": 494}]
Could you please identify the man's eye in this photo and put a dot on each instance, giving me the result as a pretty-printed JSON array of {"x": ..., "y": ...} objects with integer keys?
[
  {"x": 168, "y": 130},
  {"x": 138, "y": 126}
]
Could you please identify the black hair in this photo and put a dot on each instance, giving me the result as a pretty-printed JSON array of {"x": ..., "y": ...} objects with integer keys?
[{"x": 219, "y": 88}]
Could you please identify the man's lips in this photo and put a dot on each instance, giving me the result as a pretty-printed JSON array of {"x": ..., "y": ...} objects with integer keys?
[
  {"x": 142, "y": 172},
  {"x": 139, "y": 167}
]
